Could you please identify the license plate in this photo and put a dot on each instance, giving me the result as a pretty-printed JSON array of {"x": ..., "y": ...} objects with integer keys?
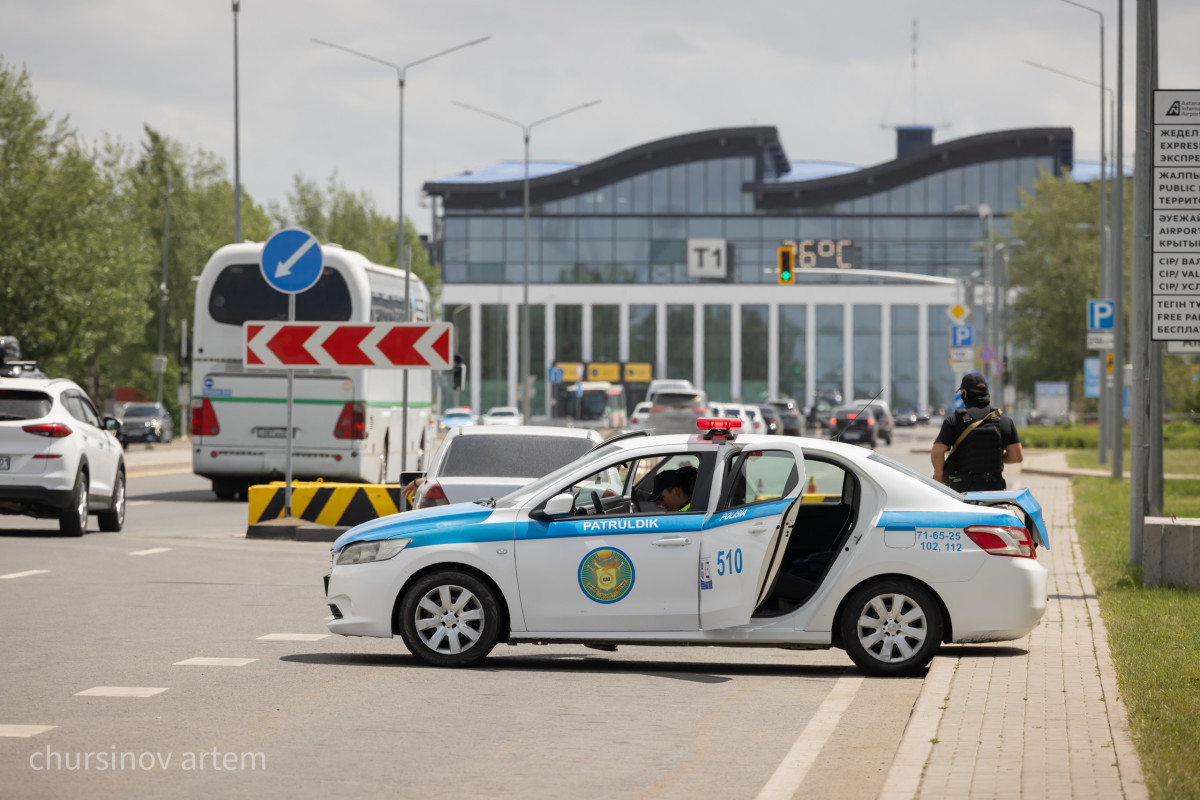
[
  {"x": 271, "y": 433},
  {"x": 4, "y": 462}
]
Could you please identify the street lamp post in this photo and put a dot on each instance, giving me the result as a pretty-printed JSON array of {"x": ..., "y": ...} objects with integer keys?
[
  {"x": 1112, "y": 278},
  {"x": 401, "y": 261},
  {"x": 525, "y": 360},
  {"x": 237, "y": 158},
  {"x": 160, "y": 365},
  {"x": 985, "y": 214},
  {"x": 1105, "y": 277}
]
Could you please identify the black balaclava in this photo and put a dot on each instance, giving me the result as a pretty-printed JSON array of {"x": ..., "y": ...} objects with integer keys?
[{"x": 975, "y": 391}]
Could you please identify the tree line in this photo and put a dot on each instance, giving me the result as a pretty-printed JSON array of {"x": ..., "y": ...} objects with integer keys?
[{"x": 81, "y": 254}]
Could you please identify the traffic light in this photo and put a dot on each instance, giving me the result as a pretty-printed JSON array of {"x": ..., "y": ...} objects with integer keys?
[
  {"x": 458, "y": 370},
  {"x": 787, "y": 264}
]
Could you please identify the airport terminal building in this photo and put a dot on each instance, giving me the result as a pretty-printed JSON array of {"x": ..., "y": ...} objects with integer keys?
[{"x": 665, "y": 255}]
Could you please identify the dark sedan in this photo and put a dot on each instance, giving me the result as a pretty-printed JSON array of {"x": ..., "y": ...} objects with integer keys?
[{"x": 146, "y": 422}]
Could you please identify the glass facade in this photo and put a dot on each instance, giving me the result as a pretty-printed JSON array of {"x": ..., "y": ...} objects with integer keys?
[
  {"x": 636, "y": 230},
  {"x": 604, "y": 237}
]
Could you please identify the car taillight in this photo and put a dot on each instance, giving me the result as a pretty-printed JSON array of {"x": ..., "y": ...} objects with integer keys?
[
  {"x": 658, "y": 408},
  {"x": 352, "y": 422},
  {"x": 833, "y": 422},
  {"x": 434, "y": 496},
  {"x": 51, "y": 430},
  {"x": 998, "y": 540},
  {"x": 204, "y": 418}
]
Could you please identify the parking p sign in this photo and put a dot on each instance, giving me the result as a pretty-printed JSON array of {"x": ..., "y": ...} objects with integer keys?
[
  {"x": 1100, "y": 315},
  {"x": 962, "y": 336}
]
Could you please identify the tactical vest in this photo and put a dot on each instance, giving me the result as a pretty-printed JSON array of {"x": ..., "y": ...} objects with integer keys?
[{"x": 983, "y": 448}]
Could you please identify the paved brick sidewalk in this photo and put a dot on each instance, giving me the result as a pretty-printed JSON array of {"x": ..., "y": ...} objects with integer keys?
[{"x": 1039, "y": 717}]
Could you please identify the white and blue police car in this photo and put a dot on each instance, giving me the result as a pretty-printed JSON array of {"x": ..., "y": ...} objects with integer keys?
[{"x": 784, "y": 542}]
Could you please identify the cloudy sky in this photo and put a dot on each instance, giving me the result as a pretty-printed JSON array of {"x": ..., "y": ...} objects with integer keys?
[{"x": 831, "y": 76}]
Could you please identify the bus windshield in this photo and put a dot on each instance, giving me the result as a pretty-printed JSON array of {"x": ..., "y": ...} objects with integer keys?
[{"x": 240, "y": 293}]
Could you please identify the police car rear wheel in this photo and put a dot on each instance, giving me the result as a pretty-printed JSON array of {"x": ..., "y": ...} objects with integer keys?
[
  {"x": 891, "y": 627},
  {"x": 450, "y": 619}
]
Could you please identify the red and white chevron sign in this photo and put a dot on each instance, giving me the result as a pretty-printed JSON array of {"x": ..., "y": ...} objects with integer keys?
[{"x": 407, "y": 345}]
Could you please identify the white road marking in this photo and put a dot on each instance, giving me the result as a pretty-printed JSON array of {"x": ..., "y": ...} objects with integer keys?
[
  {"x": 120, "y": 691},
  {"x": 203, "y": 661},
  {"x": 23, "y": 574},
  {"x": 294, "y": 637},
  {"x": 796, "y": 764},
  {"x": 150, "y": 552},
  {"x": 134, "y": 503},
  {"x": 24, "y": 731}
]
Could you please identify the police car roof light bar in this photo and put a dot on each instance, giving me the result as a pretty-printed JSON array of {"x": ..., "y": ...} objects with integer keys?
[{"x": 719, "y": 427}]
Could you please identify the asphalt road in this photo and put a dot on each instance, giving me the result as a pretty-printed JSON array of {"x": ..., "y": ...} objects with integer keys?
[{"x": 294, "y": 712}]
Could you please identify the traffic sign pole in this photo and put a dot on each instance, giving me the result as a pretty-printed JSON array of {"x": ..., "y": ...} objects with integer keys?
[{"x": 291, "y": 262}]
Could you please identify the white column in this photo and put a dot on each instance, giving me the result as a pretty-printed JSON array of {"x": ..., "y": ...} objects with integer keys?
[
  {"x": 550, "y": 345},
  {"x": 585, "y": 336},
  {"x": 735, "y": 353},
  {"x": 514, "y": 365},
  {"x": 923, "y": 354},
  {"x": 623, "y": 332},
  {"x": 885, "y": 351},
  {"x": 848, "y": 351},
  {"x": 476, "y": 357},
  {"x": 810, "y": 356},
  {"x": 772, "y": 350},
  {"x": 698, "y": 344},
  {"x": 660, "y": 340}
]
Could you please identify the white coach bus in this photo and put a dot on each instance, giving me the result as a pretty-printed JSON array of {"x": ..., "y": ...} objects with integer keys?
[{"x": 346, "y": 421}]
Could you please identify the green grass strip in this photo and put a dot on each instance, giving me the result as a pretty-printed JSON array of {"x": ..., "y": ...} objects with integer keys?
[{"x": 1151, "y": 633}]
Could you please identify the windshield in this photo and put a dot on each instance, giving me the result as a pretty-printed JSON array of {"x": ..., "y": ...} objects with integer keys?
[
  {"x": 925, "y": 479},
  {"x": 141, "y": 411}
]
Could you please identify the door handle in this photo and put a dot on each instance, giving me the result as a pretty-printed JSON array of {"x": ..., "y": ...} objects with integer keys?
[
  {"x": 758, "y": 530},
  {"x": 675, "y": 541}
]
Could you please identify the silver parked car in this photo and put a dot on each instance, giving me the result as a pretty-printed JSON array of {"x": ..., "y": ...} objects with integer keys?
[
  {"x": 490, "y": 461},
  {"x": 59, "y": 459},
  {"x": 677, "y": 411}
]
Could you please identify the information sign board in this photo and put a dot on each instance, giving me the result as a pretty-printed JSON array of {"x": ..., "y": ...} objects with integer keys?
[{"x": 1175, "y": 177}]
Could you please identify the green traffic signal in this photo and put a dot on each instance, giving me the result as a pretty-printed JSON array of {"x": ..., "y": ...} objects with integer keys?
[{"x": 787, "y": 260}]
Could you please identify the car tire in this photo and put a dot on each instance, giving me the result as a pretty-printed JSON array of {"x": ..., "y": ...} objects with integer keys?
[
  {"x": 72, "y": 520},
  {"x": 891, "y": 627},
  {"x": 465, "y": 626},
  {"x": 225, "y": 490},
  {"x": 112, "y": 520}
]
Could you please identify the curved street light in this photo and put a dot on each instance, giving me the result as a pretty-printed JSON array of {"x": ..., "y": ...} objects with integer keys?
[
  {"x": 523, "y": 367},
  {"x": 401, "y": 261}
]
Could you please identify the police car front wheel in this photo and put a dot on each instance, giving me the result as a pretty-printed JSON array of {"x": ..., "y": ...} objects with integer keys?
[
  {"x": 891, "y": 627},
  {"x": 450, "y": 618}
]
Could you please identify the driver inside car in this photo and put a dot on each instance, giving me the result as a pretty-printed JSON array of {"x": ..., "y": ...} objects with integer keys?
[{"x": 672, "y": 490}]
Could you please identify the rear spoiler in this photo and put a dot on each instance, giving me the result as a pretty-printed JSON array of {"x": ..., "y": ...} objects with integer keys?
[{"x": 1019, "y": 498}]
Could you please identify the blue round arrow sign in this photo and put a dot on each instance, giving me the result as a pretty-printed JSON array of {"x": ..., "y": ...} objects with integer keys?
[{"x": 291, "y": 261}]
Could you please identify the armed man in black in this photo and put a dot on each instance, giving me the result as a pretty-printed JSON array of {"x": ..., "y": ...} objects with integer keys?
[{"x": 975, "y": 442}]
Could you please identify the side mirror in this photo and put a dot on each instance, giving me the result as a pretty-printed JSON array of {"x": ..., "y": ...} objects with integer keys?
[
  {"x": 112, "y": 424},
  {"x": 561, "y": 505}
]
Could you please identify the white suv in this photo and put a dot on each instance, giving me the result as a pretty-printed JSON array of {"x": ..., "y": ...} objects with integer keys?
[{"x": 58, "y": 457}]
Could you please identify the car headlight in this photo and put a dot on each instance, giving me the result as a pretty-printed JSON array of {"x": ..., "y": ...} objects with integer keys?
[{"x": 366, "y": 552}]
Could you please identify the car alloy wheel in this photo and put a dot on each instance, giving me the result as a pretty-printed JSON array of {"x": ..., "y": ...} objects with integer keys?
[
  {"x": 73, "y": 519},
  {"x": 450, "y": 619},
  {"x": 891, "y": 627},
  {"x": 113, "y": 520}
]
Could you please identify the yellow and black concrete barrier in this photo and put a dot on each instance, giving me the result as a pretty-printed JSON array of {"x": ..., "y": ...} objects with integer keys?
[{"x": 320, "y": 510}]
